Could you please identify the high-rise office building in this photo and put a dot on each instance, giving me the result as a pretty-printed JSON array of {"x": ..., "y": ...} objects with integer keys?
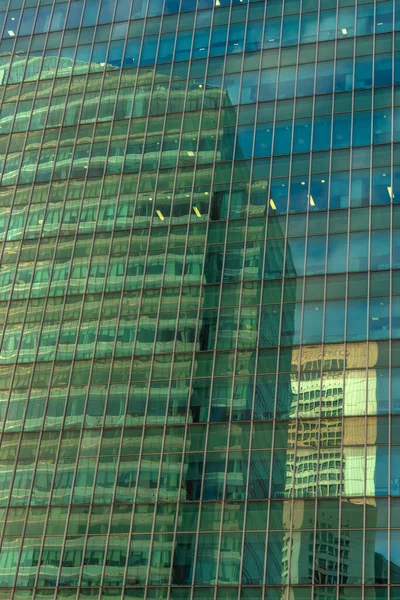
[{"x": 200, "y": 300}]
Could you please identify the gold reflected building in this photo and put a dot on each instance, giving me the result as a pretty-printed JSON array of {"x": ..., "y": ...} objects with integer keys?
[{"x": 331, "y": 454}]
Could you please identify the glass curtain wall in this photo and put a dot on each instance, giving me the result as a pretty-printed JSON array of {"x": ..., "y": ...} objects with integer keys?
[{"x": 200, "y": 300}]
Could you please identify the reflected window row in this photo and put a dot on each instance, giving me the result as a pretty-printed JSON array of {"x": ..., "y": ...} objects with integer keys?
[
  {"x": 45, "y": 112},
  {"x": 276, "y": 515},
  {"x": 334, "y": 432},
  {"x": 241, "y": 294},
  {"x": 237, "y": 475},
  {"x": 213, "y": 88},
  {"x": 309, "y": 323},
  {"x": 363, "y": 19},
  {"x": 163, "y": 206},
  {"x": 337, "y": 393},
  {"x": 134, "y": 152},
  {"x": 187, "y": 561}
]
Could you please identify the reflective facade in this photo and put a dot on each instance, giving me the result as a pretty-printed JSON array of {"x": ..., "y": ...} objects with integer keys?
[{"x": 200, "y": 299}]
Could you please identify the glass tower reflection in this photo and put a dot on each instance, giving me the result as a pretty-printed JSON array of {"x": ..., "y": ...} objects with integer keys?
[{"x": 199, "y": 351}]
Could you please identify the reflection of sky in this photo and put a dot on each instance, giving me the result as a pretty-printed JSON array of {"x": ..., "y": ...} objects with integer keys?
[
  {"x": 362, "y": 317},
  {"x": 394, "y": 547},
  {"x": 381, "y": 546},
  {"x": 381, "y": 471},
  {"x": 382, "y": 391}
]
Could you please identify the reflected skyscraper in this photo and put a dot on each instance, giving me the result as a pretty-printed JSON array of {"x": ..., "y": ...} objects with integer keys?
[{"x": 199, "y": 299}]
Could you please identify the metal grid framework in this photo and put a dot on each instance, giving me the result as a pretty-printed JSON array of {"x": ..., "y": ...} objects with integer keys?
[{"x": 200, "y": 299}]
